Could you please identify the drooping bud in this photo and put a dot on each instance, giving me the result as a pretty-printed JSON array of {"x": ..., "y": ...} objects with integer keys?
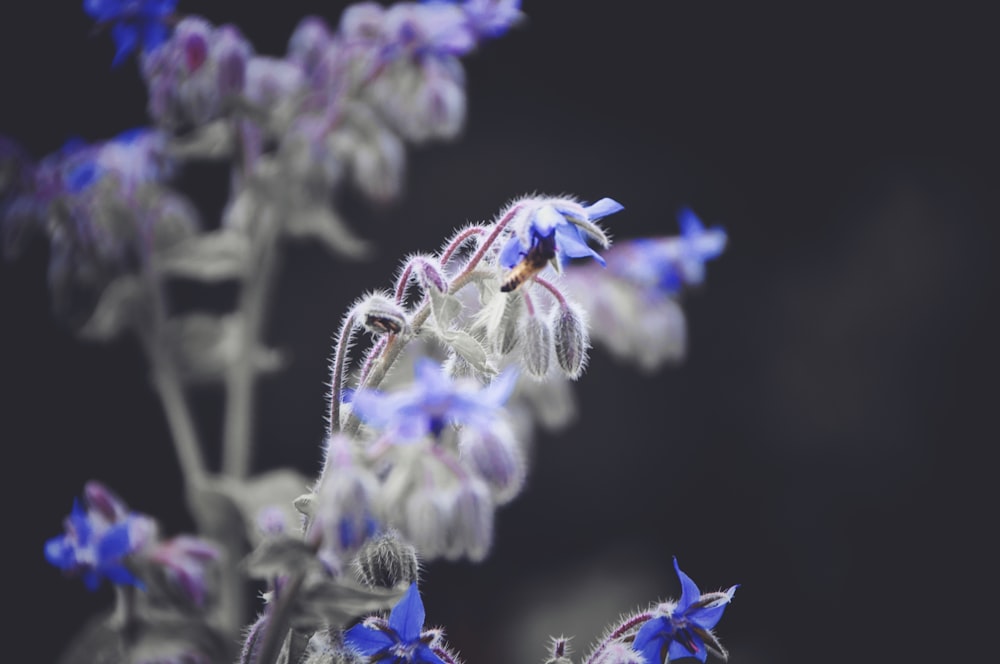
[
  {"x": 231, "y": 52},
  {"x": 386, "y": 561},
  {"x": 470, "y": 532},
  {"x": 428, "y": 513},
  {"x": 537, "y": 346},
  {"x": 308, "y": 42},
  {"x": 254, "y": 638},
  {"x": 569, "y": 334},
  {"x": 343, "y": 517},
  {"x": 102, "y": 500},
  {"x": 495, "y": 456},
  {"x": 380, "y": 315}
]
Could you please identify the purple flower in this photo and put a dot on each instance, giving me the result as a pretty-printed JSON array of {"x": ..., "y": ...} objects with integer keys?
[
  {"x": 433, "y": 401},
  {"x": 401, "y": 640},
  {"x": 683, "y": 629},
  {"x": 555, "y": 230},
  {"x": 186, "y": 560},
  {"x": 97, "y": 541},
  {"x": 134, "y": 23}
]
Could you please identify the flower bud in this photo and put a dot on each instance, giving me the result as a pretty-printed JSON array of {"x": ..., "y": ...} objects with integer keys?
[
  {"x": 308, "y": 43},
  {"x": 494, "y": 455},
  {"x": 470, "y": 532},
  {"x": 380, "y": 315},
  {"x": 569, "y": 334},
  {"x": 507, "y": 332},
  {"x": 231, "y": 53},
  {"x": 616, "y": 652},
  {"x": 344, "y": 501},
  {"x": 386, "y": 561},
  {"x": 102, "y": 500},
  {"x": 428, "y": 513},
  {"x": 537, "y": 346}
]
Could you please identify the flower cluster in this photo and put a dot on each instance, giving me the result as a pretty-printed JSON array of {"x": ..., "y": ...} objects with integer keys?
[{"x": 428, "y": 426}]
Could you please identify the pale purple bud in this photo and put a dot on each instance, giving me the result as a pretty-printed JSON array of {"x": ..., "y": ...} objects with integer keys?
[
  {"x": 428, "y": 513},
  {"x": 231, "y": 53},
  {"x": 308, "y": 43},
  {"x": 362, "y": 21},
  {"x": 569, "y": 334},
  {"x": 270, "y": 80},
  {"x": 271, "y": 520},
  {"x": 379, "y": 315},
  {"x": 470, "y": 532},
  {"x": 495, "y": 456},
  {"x": 192, "y": 35},
  {"x": 102, "y": 500},
  {"x": 536, "y": 347},
  {"x": 186, "y": 560},
  {"x": 386, "y": 561}
]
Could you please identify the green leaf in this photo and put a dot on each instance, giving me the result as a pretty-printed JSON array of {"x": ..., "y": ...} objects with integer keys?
[
  {"x": 319, "y": 222},
  {"x": 122, "y": 303},
  {"x": 211, "y": 257}
]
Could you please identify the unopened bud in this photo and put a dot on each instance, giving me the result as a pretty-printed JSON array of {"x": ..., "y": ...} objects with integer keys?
[
  {"x": 537, "y": 346},
  {"x": 470, "y": 533},
  {"x": 386, "y": 561},
  {"x": 569, "y": 334},
  {"x": 254, "y": 639},
  {"x": 431, "y": 275},
  {"x": 428, "y": 513},
  {"x": 380, "y": 315},
  {"x": 102, "y": 500},
  {"x": 231, "y": 52},
  {"x": 308, "y": 42},
  {"x": 616, "y": 652},
  {"x": 494, "y": 455}
]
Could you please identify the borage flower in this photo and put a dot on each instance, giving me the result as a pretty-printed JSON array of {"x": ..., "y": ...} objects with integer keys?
[
  {"x": 133, "y": 23},
  {"x": 432, "y": 402},
  {"x": 98, "y": 540},
  {"x": 552, "y": 231},
  {"x": 684, "y": 629},
  {"x": 401, "y": 640}
]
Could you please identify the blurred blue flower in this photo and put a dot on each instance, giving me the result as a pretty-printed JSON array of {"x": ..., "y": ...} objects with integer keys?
[
  {"x": 433, "y": 401},
  {"x": 667, "y": 264},
  {"x": 555, "y": 231},
  {"x": 94, "y": 547},
  {"x": 133, "y": 23},
  {"x": 683, "y": 629},
  {"x": 399, "y": 641}
]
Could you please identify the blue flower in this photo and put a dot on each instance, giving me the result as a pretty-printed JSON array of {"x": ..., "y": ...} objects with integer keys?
[
  {"x": 95, "y": 548},
  {"x": 667, "y": 264},
  {"x": 683, "y": 629},
  {"x": 554, "y": 230},
  {"x": 400, "y": 641},
  {"x": 134, "y": 22},
  {"x": 433, "y": 401}
]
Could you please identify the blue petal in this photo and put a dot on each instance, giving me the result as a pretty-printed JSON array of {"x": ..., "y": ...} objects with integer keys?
[
  {"x": 154, "y": 33},
  {"x": 708, "y": 617},
  {"x": 114, "y": 544},
  {"x": 91, "y": 580},
  {"x": 511, "y": 253},
  {"x": 126, "y": 39},
  {"x": 689, "y": 591},
  {"x": 569, "y": 243},
  {"x": 431, "y": 376},
  {"x": 407, "y": 617},
  {"x": 80, "y": 524},
  {"x": 368, "y": 641},
  {"x": 689, "y": 223},
  {"x": 546, "y": 219},
  {"x": 651, "y": 639},
  {"x": 678, "y": 650},
  {"x": 60, "y": 552},
  {"x": 120, "y": 575},
  {"x": 603, "y": 208},
  {"x": 424, "y": 655},
  {"x": 498, "y": 391},
  {"x": 372, "y": 406}
]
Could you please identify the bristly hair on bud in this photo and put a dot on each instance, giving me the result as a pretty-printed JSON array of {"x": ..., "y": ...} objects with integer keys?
[
  {"x": 571, "y": 339},
  {"x": 386, "y": 561},
  {"x": 559, "y": 650},
  {"x": 379, "y": 315},
  {"x": 536, "y": 347},
  {"x": 426, "y": 270}
]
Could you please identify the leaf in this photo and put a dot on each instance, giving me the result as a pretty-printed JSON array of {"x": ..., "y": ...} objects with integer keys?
[
  {"x": 216, "y": 256},
  {"x": 445, "y": 307},
  {"x": 275, "y": 488},
  {"x": 121, "y": 304},
  {"x": 320, "y": 222},
  {"x": 96, "y": 643},
  {"x": 205, "y": 346},
  {"x": 280, "y": 555},
  {"x": 323, "y": 601},
  {"x": 178, "y": 640},
  {"x": 469, "y": 349}
]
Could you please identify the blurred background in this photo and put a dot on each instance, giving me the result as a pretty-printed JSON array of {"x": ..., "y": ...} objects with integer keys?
[{"x": 825, "y": 444}]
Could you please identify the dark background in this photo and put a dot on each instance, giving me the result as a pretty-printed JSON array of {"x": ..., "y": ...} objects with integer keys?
[{"x": 826, "y": 444}]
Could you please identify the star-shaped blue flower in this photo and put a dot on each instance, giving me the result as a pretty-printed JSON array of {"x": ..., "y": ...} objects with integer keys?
[
  {"x": 432, "y": 402},
  {"x": 134, "y": 23},
  {"x": 93, "y": 548},
  {"x": 555, "y": 231},
  {"x": 683, "y": 629},
  {"x": 400, "y": 641}
]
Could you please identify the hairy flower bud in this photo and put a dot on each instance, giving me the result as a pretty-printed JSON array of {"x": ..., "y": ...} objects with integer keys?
[
  {"x": 494, "y": 455},
  {"x": 380, "y": 315},
  {"x": 536, "y": 346},
  {"x": 308, "y": 43},
  {"x": 470, "y": 532},
  {"x": 343, "y": 517},
  {"x": 428, "y": 514},
  {"x": 386, "y": 561},
  {"x": 616, "y": 652},
  {"x": 569, "y": 334}
]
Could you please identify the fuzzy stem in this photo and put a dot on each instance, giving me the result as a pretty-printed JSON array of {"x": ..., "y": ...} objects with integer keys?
[
  {"x": 550, "y": 287},
  {"x": 277, "y": 627},
  {"x": 622, "y": 629},
  {"x": 369, "y": 359},
  {"x": 458, "y": 241},
  {"x": 338, "y": 366}
]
